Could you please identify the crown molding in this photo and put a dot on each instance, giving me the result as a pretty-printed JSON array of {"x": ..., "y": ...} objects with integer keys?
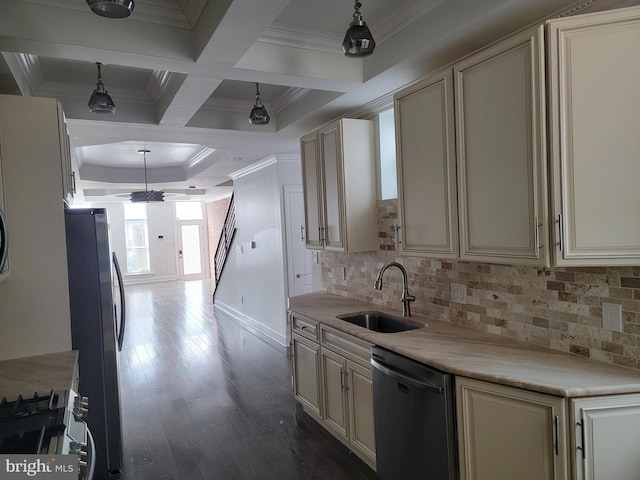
[
  {"x": 401, "y": 17},
  {"x": 198, "y": 157},
  {"x": 30, "y": 70},
  {"x": 291, "y": 95},
  {"x": 254, "y": 167},
  {"x": 294, "y": 36},
  {"x": 158, "y": 81}
]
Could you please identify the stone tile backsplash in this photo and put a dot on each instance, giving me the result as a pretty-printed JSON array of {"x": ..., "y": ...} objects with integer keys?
[{"x": 559, "y": 308}]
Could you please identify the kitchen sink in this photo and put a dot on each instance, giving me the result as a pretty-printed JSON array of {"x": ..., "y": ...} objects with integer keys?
[{"x": 378, "y": 322}]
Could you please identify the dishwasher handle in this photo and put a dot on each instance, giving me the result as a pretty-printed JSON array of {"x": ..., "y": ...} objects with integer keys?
[{"x": 404, "y": 378}]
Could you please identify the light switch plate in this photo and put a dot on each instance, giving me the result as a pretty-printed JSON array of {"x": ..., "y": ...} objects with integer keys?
[
  {"x": 612, "y": 317},
  {"x": 458, "y": 293}
]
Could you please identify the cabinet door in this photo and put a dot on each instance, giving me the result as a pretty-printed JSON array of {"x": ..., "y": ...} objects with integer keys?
[
  {"x": 507, "y": 433},
  {"x": 606, "y": 437},
  {"x": 306, "y": 381},
  {"x": 594, "y": 72},
  {"x": 312, "y": 181},
  {"x": 331, "y": 154},
  {"x": 426, "y": 168},
  {"x": 360, "y": 398},
  {"x": 68, "y": 176},
  {"x": 501, "y": 152},
  {"x": 334, "y": 414}
]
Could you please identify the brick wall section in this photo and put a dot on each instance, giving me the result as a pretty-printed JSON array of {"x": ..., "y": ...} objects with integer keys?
[
  {"x": 559, "y": 308},
  {"x": 216, "y": 213}
]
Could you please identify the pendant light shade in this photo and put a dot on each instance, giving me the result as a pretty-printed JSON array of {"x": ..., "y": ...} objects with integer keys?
[
  {"x": 100, "y": 101},
  {"x": 146, "y": 195},
  {"x": 259, "y": 114},
  {"x": 112, "y": 8},
  {"x": 358, "y": 41}
]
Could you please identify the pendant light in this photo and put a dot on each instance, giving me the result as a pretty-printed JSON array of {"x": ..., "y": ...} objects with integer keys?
[
  {"x": 146, "y": 195},
  {"x": 100, "y": 101},
  {"x": 358, "y": 41},
  {"x": 112, "y": 8},
  {"x": 259, "y": 114}
]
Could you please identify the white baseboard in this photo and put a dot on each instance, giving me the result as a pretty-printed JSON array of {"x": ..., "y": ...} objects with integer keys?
[
  {"x": 252, "y": 324},
  {"x": 134, "y": 279}
]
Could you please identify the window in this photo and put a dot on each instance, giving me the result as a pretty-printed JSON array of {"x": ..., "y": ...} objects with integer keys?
[
  {"x": 189, "y": 210},
  {"x": 137, "y": 238},
  {"x": 387, "y": 137}
]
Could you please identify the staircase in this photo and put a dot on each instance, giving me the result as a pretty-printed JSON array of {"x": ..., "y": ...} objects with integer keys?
[{"x": 224, "y": 243}]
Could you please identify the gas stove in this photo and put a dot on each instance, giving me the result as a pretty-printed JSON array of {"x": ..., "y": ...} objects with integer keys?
[{"x": 48, "y": 424}]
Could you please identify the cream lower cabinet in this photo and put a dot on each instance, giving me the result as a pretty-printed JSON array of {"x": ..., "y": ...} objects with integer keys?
[
  {"x": 507, "y": 433},
  {"x": 606, "y": 437},
  {"x": 594, "y": 73},
  {"x": 305, "y": 364},
  {"x": 347, "y": 391},
  {"x": 331, "y": 377}
]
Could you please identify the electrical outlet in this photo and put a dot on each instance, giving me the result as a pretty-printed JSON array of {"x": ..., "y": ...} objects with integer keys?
[
  {"x": 458, "y": 293},
  {"x": 612, "y": 317}
]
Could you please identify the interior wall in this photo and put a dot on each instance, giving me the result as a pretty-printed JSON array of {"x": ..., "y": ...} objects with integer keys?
[
  {"x": 252, "y": 288},
  {"x": 162, "y": 251},
  {"x": 560, "y": 308}
]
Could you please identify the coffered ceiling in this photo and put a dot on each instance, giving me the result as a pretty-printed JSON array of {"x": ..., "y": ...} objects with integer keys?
[{"x": 182, "y": 74}]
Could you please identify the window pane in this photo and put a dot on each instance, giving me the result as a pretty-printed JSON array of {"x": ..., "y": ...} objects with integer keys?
[
  {"x": 135, "y": 211},
  {"x": 388, "y": 184},
  {"x": 137, "y": 235},
  {"x": 138, "y": 260},
  {"x": 137, "y": 238},
  {"x": 189, "y": 210}
]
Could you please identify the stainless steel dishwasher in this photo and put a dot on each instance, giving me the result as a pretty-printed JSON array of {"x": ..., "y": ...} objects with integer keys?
[{"x": 414, "y": 419}]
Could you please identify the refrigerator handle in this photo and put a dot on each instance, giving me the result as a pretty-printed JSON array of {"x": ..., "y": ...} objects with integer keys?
[
  {"x": 122, "y": 302},
  {"x": 4, "y": 241}
]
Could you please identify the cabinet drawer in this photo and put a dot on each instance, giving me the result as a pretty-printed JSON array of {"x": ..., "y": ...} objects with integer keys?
[
  {"x": 304, "y": 327},
  {"x": 349, "y": 346}
]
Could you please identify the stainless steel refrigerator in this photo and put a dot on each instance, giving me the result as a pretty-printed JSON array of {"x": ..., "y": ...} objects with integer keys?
[{"x": 97, "y": 327}]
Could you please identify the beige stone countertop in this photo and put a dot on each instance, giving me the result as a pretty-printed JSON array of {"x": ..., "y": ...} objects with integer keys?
[
  {"x": 40, "y": 373},
  {"x": 476, "y": 354}
]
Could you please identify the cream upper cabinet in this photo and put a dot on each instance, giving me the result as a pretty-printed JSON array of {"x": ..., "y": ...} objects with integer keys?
[
  {"x": 594, "y": 72},
  {"x": 506, "y": 433},
  {"x": 425, "y": 144},
  {"x": 605, "y": 437},
  {"x": 339, "y": 182},
  {"x": 501, "y": 152},
  {"x": 68, "y": 176},
  {"x": 312, "y": 181}
]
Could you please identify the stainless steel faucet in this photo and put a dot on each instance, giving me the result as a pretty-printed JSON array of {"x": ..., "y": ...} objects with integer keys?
[{"x": 406, "y": 297}]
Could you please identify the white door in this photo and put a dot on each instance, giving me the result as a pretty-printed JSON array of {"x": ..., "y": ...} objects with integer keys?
[
  {"x": 191, "y": 250},
  {"x": 298, "y": 256}
]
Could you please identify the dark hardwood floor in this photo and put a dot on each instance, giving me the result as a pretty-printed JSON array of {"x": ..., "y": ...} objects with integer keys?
[{"x": 204, "y": 398}]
